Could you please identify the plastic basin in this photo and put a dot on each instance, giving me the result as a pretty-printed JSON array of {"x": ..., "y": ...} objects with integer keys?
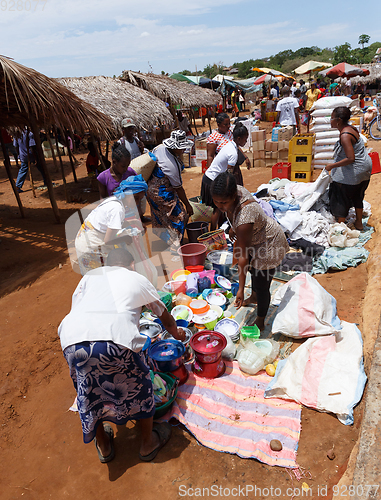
[
  {"x": 196, "y": 229},
  {"x": 193, "y": 254}
]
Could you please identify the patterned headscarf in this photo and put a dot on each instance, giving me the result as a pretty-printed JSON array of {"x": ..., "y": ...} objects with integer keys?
[{"x": 177, "y": 140}]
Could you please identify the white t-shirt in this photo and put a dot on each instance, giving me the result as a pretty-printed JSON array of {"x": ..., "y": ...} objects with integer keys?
[
  {"x": 286, "y": 107},
  {"x": 274, "y": 93},
  {"x": 294, "y": 88},
  {"x": 169, "y": 164},
  {"x": 108, "y": 214},
  {"x": 106, "y": 306},
  {"x": 132, "y": 147},
  {"x": 228, "y": 156}
]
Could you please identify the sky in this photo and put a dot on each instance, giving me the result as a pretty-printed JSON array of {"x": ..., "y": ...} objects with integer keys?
[{"x": 63, "y": 38}]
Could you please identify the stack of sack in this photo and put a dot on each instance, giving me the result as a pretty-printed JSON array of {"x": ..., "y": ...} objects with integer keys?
[{"x": 326, "y": 137}]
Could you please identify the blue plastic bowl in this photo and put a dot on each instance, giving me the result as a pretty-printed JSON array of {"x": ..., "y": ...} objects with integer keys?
[{"x": 182, "y": 323}]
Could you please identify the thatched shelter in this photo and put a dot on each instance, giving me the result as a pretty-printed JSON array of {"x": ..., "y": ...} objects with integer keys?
[
  {"x": 120, "y": 100},
  {"x": 29, "y": 98},
  {"x": 374, "y": 74},
  {"x": 25, "y": 92},
  {"x": 179, "y": 93}
]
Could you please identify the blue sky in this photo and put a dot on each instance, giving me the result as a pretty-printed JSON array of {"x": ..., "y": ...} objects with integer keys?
[{"x": 83, "y": 37}]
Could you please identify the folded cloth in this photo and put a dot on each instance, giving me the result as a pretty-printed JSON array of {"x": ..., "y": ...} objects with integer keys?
[
  {"x": 307, "y": 247},
  {"x": 294, "y": 261}
]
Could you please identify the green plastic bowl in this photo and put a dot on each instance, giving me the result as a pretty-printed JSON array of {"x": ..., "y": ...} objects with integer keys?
[{"x": 171, "y": 381}]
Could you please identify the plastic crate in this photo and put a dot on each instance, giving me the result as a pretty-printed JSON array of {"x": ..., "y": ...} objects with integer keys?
[
  {"x": 300, "y": 163},
  {"x": 302, "y": 176},
  {"x": 301, "y": 144},
  {"x": 282, "y": 170}
]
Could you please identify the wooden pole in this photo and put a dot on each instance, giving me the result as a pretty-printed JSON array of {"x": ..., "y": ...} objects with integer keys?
[
  {"x": 62, "y": 170},
  {"x": 97, "y": 146},
  {"x": 59, "y": 152},
  {"x": 41, "y": 159},
  {"x": 210, "y": 127},
  {"x": 194, "y": 121},
  {"x": 66, "y": 143},
  {"x": 28, "y": 160},
  {"x": 107, "y": 148},
  {"x": 7, "y": 164}
]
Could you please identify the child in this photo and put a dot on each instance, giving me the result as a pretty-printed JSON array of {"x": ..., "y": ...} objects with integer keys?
[{"x": 270, "y": 104}]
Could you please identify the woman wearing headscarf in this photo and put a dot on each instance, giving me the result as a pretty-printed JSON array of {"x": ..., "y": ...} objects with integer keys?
[
  {"x": 99, "y": 232},
  {"x": 169, "y": 204},
  {"x": 120, "y": 170}
]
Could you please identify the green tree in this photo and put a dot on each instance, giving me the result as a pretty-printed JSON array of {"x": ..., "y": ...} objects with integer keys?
[
  {"x": 342, "y": 53},
  {"x": 185, "y": 72},
  {"x": 363, "y": 39}
]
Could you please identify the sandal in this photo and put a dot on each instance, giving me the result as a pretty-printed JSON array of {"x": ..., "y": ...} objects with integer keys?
[
  {"x": 164, "y": 432},
  {"x": 108, "y": 430}
]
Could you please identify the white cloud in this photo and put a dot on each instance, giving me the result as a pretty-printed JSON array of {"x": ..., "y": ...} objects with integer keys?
[{"x": 145, "y": 33}]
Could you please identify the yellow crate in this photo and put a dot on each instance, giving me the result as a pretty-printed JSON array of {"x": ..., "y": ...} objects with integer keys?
[
  {"x": 301, "y": 144},
  {"x": 300, "y": 163},
  {"x": 302, "y": 176}
]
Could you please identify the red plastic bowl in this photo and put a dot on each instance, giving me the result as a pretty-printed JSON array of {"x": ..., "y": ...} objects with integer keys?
[
  {"x": 193, "y": 254},
  {"x": 195, "y": 269}
]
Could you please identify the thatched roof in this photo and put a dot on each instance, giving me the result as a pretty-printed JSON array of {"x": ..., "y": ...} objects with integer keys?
[
  {"x": 163, "y": 87},
  {"x": 374, "y": 73},
  {"x": 25, "y": 92},
  {"x": 119, "y": 100}
]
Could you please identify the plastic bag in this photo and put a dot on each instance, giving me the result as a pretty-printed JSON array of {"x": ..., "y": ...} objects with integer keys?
[
  {"x": 256, "y": 354},
  {"x": 306, "y": 309},
  {"x": 230, "y": 349},
  {"x": 325, "y": 373},
  {"x": 304, "y": 118}
]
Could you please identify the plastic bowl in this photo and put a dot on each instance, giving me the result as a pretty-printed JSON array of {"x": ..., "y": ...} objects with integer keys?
[
  {"x": 171, "y": 381},
  {"x": 175, "y": 287},
  {"x": 182, "y": 312},
  {"x": 199, "y": 306},
  {"x": 219, "y": 311},
  {"x": 180, "y": 275},
  {"x": 193, "y": 254},
  {"x": 216, "y": 298},
  {"x": 195, "y": 269}
]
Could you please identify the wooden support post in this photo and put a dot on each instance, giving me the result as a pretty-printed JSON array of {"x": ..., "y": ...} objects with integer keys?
[
  {"x": 210, "y": 127},
  {"x": 55, "y": 164},
  {"x": 42, "y": 162},
  {"x": 58, "y": 151},
  {"x": 98, "y": 147},
  {"x": 7, "y": 164},
  {"x": 194, "y": 120},
  {"x": 66, "y": 144},
  {"x": 28, "y": 161}
]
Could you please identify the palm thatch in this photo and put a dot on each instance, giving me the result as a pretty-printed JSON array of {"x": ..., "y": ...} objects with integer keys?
[
  {"x": 26, "y": 93},
  {"x": 179, "y": 93},
  {"x": 119, "y": 100}
]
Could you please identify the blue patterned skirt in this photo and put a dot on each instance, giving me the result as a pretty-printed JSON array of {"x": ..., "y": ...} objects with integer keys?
[{"x": 112, "y": 383}]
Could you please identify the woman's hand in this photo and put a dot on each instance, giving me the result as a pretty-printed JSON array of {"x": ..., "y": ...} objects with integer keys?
[
  {"x": 239, "y": 298},
  {"x": 180, "y": 335},
  {"x": 232, "y": 235},
  {"x": 189, "y": 209},
  {"x": 248, "y": 164}
]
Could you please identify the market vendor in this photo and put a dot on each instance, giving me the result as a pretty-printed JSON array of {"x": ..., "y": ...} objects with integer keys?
[
  {"x": 351, "y": 170},
  {"x": 312, "y": 95},
  {"x": 102, "y": 345},
  {"x": 260, "y": 244},
  {"x": 227, "y": 159},
  {"x": 98, "y": 233}
]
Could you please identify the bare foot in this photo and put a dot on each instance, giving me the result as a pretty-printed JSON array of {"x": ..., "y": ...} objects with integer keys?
[
  {"x": 147, "y": 448},
  {"x": 260, "y": 322},
  {"x": 250, "y": 300},
  {"x": 359, "y": 226}
]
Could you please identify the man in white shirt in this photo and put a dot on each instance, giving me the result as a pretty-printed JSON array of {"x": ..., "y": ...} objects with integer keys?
[{"x": 288, "y": 110}]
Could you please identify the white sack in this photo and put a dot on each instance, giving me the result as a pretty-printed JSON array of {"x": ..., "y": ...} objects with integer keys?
[
  {"x": 306, "y": 310},
  {"x": 331, "y": 102},
  {"x": 324, "y": 155},
  {"x": 323, "y": 148},
  {"x": 322, "y": 112},
  {"x": 325, "y": 373},
  {"x": 327, "y": 141},
  {"x": 321, "y": 120},
  {"x": 324, "y": 134}
]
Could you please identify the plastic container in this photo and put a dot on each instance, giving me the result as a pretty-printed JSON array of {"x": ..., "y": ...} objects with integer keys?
[
  {"x": 208, "y": 273},
  {"x": 282, "y": 170},
  {"x": 203, "y": 166},
  {"x": 193, "y": 254},
  {"x": 191, "y": 285},
  {"x": 199, "y": 306},
  {"x": 195, "y": 269},
  {"x": 234, "y": 289},
  {"x": 175, "y": 287},
  {"x": 182, "y": 312},
  {"x": 376, "y": 168},
  {"x": 166, "y": 355},
  {"x": 172, "y": 384},
  {"x": 180, "y": 275},
  {"x": 222, "y": 261},
  {"x": 196, "y": 229},
  {"x": 183, "y": 300}
]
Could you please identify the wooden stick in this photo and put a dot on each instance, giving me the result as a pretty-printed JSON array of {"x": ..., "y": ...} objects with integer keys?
[
  {"x": 41, "y": 159},
  {"x": 210, "y": 127},
  {"x": 7, "y": 164},
  {"x": 28, "y": 160},
  {"x": 98, "y": 147},
  {"x": 58, "y": 151},
  {"x": 194, "y": 121},
  {"x": 66, "y": 144},
  {"x": 62, "y": 170}
]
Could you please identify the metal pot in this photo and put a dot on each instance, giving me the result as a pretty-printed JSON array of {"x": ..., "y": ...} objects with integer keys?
[
  {"x": 208, "y": 346},
  {"x": 150, "y": 328}
]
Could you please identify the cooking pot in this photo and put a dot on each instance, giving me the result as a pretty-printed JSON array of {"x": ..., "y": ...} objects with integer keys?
[
  {"x": 208, "y": 346},
  {"x": 166, "y": 355}
]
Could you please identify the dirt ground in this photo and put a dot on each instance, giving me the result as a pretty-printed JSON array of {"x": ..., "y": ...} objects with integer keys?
[{"x": 41, "y": 441}]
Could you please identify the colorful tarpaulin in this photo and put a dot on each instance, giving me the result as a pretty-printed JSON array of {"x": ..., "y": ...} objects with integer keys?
[{"x": 230, "y": 414}]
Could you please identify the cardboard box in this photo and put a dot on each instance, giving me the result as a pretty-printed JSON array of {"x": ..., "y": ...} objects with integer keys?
[
  {"x": 258, "y": 155},
  {"x": 271, "y": 146},
  {"x": 259, "y": 163},
  {"x": 285, "y": 133},
  {"x": 283, "y": 145},
  {"x": 201, "y": 154},
  {"x": 274, "y": 155},
  {"x": 193, "y": 161},
  {"x": 258, "y": 146},
  {"x": 258, "y": 135},
  {"x": 200, "y": 144},
  {"x": 283, "y": 155}
]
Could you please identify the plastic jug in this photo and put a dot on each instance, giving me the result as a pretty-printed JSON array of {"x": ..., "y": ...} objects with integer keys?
[
  {"x": 274, "y": 134},
  {"x": 183, "y": 300},
  {"x": 192, "y": 289}
]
